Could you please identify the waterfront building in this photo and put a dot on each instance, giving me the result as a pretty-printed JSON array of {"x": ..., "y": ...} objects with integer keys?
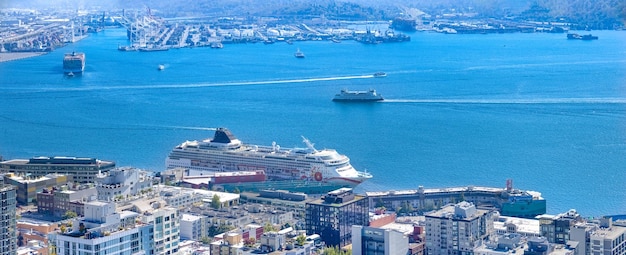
[
  {"x": 8, "y": 229},
  {"x": 121, "y": 183},
  {"x": 458, "y": 228},
  {"x": 374, "y": 241},
  {"x": 81, "y": 170},
  {"x": 57, "y": 201},
  {"x": 508, "y": 201},
  {"x": 333, "y": 216},
  {"x": 556, "y": 228},
  {"x": 27, "y": 186}
]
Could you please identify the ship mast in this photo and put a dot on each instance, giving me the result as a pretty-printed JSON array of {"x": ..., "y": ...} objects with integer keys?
[{"x": 309, "y": 144}]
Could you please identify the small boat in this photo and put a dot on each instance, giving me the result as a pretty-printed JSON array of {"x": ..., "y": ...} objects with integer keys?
[
  {"x": 161, "y": 67},
  {"x": 299, "y": 54},
  {"x": 126, "y": 48},
  {"x": 358, "y": 96},
  {"x": 335, "y": 40},
  {"x": 217, "y": 45},
  {"x": 380, "y": 74},
  {"x": 70, "y": 74}
]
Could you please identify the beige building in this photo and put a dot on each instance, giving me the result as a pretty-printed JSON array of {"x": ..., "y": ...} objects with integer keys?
[{"x": 458, "y": 229}]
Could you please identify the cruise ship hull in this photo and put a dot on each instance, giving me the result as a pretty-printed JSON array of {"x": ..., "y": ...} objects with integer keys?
[{"x": 277, "y": 163}]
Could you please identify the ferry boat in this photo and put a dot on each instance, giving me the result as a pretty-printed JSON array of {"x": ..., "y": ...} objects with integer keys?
[
  {"x": 73, "y": 63},
  {"x": 581, "y": 37},
  {"x": 226, "y": 153},
  {"x": 358, "y": 96},
  {"x": 299, "y": 54}
]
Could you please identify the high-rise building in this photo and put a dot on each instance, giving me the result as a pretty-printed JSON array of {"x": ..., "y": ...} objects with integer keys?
[
  {"x": 458, "y": 229},
  {"x": 103, "y": 230},
  {"x": 333, "y": 216},
  {"x": 166, "y": 224},
  {"x": 8, "y": 230},
  {"x": 376, "y": 241}
]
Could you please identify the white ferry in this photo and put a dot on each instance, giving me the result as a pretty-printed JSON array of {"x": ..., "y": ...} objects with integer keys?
[
  {"x": 226, "y": 153},
  {"x": 358, "y": 96}
]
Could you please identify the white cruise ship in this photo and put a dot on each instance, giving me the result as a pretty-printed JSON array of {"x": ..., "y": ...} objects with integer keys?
[{"x": 225, "y": 153}]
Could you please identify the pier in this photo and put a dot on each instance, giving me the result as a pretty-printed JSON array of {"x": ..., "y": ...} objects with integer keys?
[{"x": 509, "y": 201}]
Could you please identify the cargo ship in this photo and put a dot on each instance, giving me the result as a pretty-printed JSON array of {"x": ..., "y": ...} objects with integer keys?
[
  {"x": 358, "y": 96},
  {"x": 73, "y": 63},
  {"x": 225, "y": 153}
]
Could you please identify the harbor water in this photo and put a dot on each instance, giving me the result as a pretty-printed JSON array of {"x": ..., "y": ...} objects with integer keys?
[{"x": 547, "y": 112}]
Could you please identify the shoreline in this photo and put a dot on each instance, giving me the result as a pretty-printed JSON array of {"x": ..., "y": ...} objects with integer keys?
[{"x": 11, "y": 56}]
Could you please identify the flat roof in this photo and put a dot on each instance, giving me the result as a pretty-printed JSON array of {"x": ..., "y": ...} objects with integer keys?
[
  {"x": 320, "y": 201},
  {"x": 523, "y": 225}
]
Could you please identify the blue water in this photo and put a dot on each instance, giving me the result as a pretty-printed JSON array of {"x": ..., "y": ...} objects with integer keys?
[{"x": 461, "y": 109}]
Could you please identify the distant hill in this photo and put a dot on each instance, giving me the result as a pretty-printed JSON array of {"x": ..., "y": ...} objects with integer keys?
[{"x": 595, "y": 14}]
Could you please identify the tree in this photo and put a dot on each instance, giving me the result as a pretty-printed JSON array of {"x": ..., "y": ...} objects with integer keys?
[
  {"x": 269, "y": 227},
  {"x": 334, "y": 250},
  {"x": 69, "y": 215},
  {"x": 205, "y": 240},
  {"x": 301, "y": 239},
  {"x": 215, "y": 202},
  {"x": 215, "y": 230}
]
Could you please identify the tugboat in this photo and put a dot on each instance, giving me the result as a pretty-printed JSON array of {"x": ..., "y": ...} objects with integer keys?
[{"x": 299, "y": 54}]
